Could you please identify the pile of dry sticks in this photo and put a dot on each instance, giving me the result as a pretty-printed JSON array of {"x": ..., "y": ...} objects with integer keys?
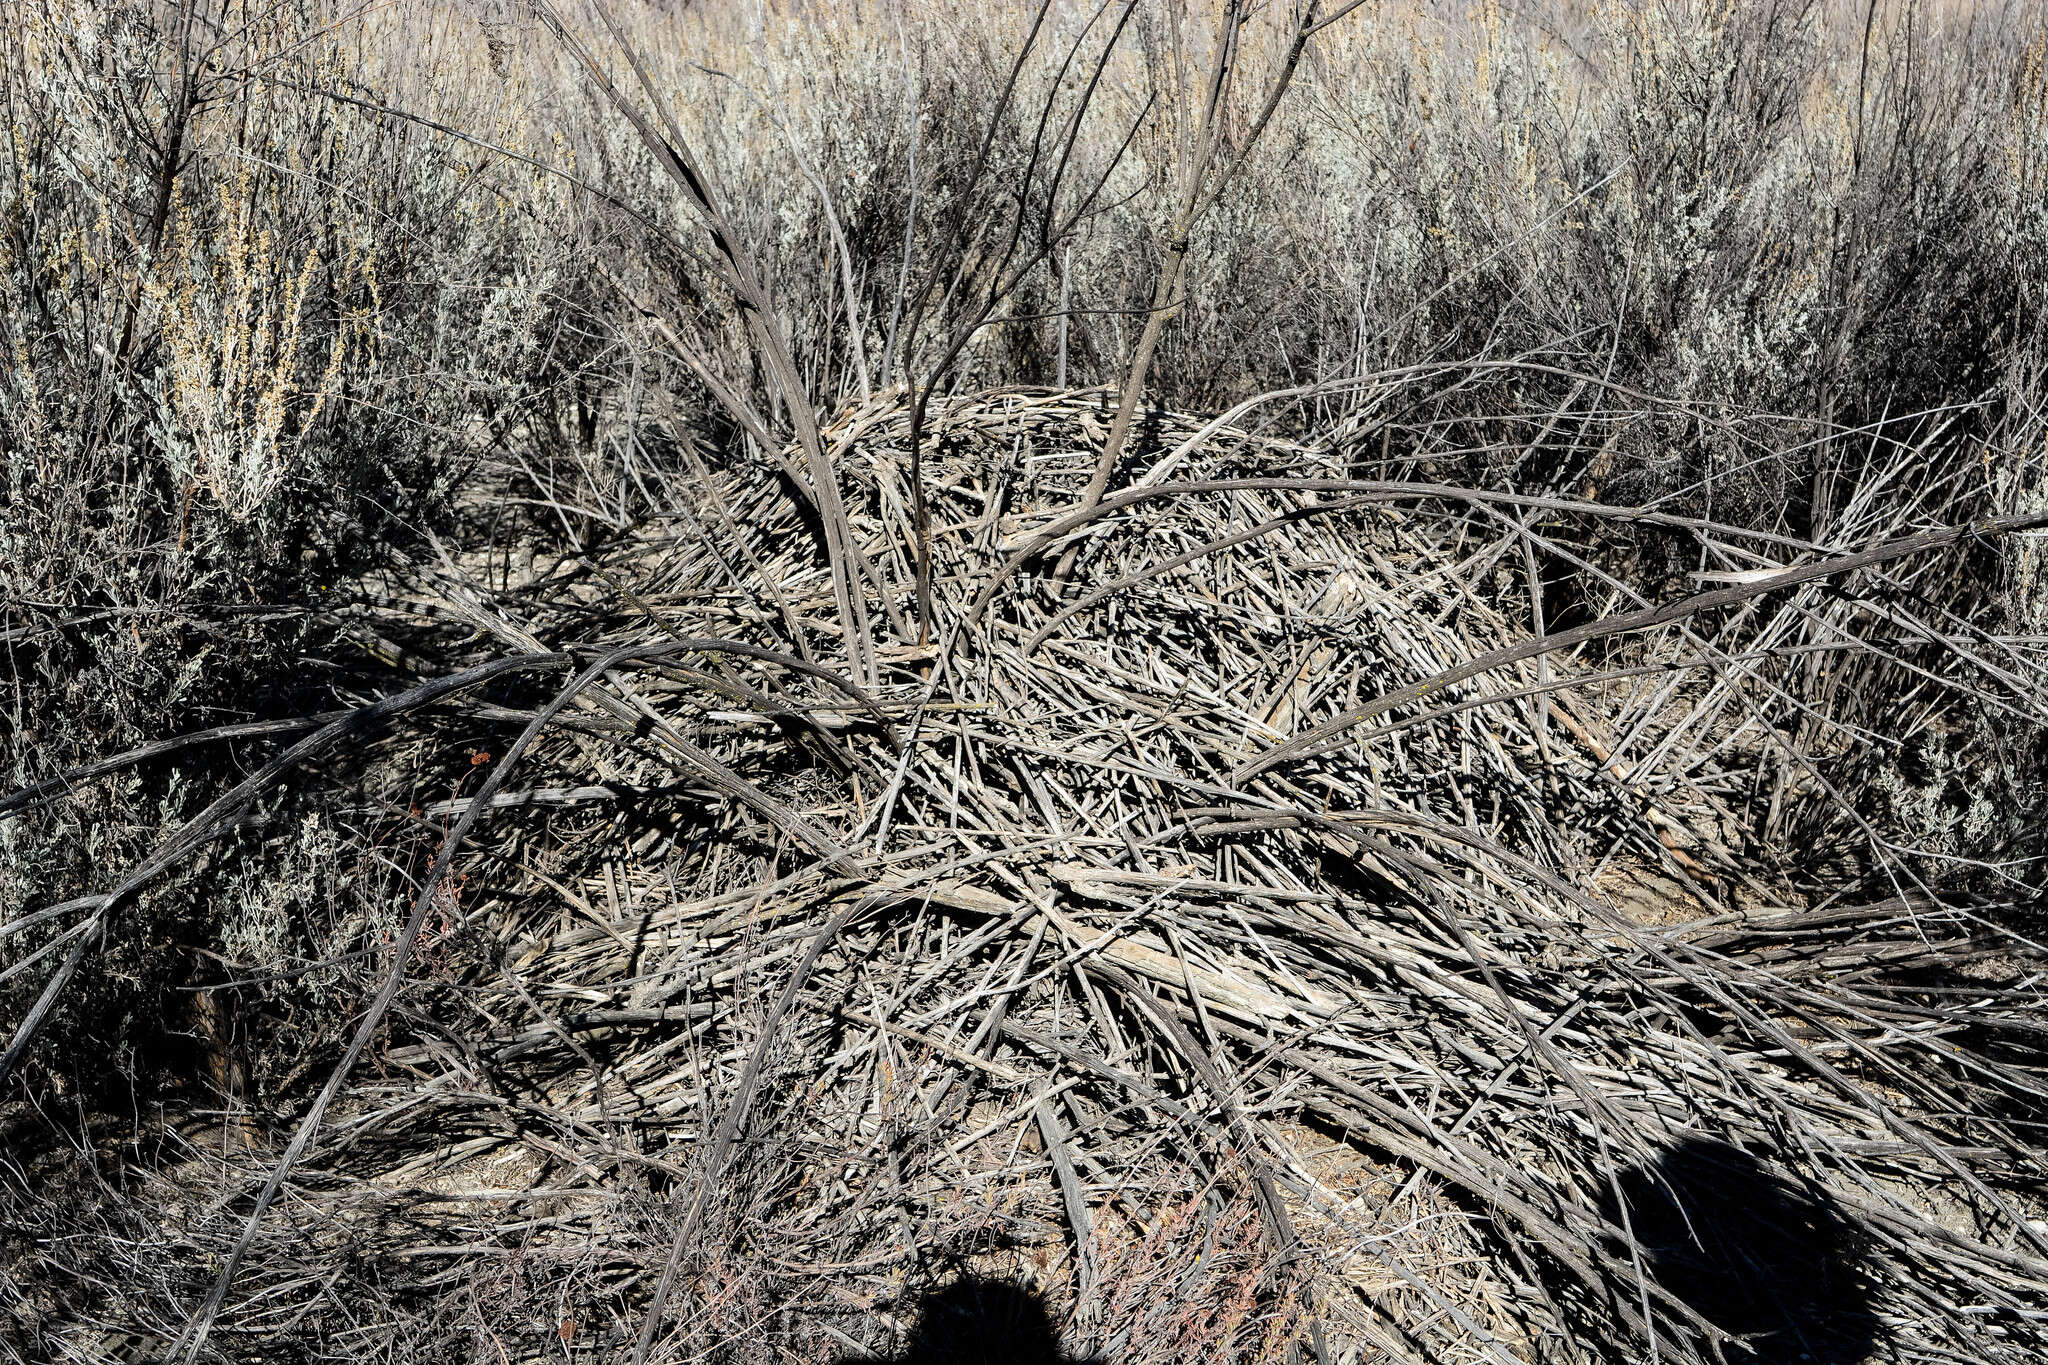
[{"x": 1240, "y": 920}]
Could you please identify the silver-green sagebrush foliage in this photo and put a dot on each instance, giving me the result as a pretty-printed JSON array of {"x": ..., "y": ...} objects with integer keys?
[{"x": 254, "y": 339}]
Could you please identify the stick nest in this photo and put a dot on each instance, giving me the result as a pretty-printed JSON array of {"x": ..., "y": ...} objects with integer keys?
[{"x": 794, "y": 974}]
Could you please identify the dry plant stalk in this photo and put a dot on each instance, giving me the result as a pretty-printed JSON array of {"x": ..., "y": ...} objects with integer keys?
[{"x": 232, "y": 332}]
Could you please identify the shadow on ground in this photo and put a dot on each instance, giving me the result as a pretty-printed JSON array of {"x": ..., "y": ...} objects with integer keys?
[
  {"x": 978, "y": 1322},
  {"x": 1764, "y": 1259}
]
